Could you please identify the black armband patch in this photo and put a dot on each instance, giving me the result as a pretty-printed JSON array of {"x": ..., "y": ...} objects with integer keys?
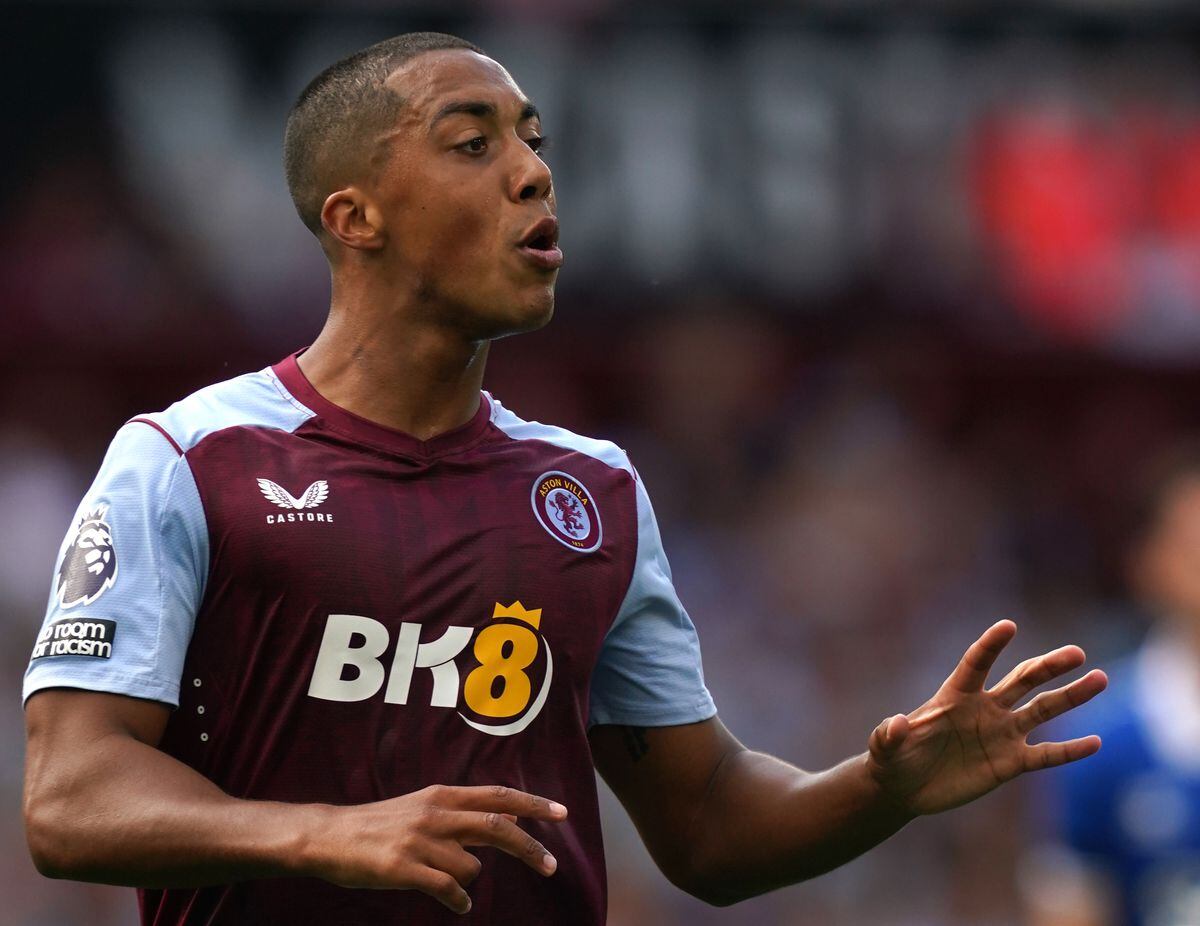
[{"x": 76, "y": 636}]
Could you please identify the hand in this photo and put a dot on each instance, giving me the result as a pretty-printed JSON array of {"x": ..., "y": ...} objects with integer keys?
[
  {"x": 964, "y": 741},
  {"x": 417, "y": 841}
]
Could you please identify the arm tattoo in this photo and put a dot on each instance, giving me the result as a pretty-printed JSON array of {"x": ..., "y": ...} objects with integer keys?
[{"x": 635, "y": 741}]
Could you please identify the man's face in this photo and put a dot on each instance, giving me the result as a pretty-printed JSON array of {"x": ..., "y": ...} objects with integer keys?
[{"x": 461, "y": 190}]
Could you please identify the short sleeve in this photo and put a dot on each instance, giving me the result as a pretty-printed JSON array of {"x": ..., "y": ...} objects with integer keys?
[
  {"x": 649, "y": 672},
  {"x": 129, "y": 576}
]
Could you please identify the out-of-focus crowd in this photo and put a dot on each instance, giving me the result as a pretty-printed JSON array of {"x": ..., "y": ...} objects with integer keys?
[{"x": 854, "y": 474}]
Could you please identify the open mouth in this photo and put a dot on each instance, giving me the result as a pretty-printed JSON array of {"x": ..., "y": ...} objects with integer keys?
[
  {"x": 543, "y": 236},
  {"x": 540, "y": 244}
]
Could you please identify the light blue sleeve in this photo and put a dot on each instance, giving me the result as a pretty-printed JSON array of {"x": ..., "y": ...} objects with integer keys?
[
  {"x": 129, "y": 576},
  {"x": 649, "y": 672}
]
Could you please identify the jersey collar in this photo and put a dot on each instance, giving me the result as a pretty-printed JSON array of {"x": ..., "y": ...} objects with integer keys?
[{"x": 364, "y": 431}]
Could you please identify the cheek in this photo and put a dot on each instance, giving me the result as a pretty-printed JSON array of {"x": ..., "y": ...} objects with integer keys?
[
  {"x": 456, "y": 234},
  {"x": 467, "y": 228}
]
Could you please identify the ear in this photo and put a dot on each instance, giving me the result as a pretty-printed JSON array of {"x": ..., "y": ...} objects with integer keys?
[{"x": 349, "y": 216}]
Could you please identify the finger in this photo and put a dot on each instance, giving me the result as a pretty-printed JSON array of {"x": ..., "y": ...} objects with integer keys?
[
  {"x": 501, "y": 799},
  {"x": 1051, "y": 704},
  {"x": 1050, "y": 755},
  {"x": 493, "y": 829},
  {"x": 456, "y": 862},
  {"x": 886, "y": 737},
  {"x": 972, "y": 671},
  {"x": 1036, "y": 671},
  {"x": 443, "y": 887}
]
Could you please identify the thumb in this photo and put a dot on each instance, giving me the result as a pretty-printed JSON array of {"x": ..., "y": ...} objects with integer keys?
[{"x": 888, "y": 736}]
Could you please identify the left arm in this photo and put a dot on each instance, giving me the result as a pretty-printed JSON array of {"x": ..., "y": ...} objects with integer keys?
[{"x": 725, "y": 823}]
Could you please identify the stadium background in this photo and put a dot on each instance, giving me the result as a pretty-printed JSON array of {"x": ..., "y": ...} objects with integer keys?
[{"x": 887, "y": 301}]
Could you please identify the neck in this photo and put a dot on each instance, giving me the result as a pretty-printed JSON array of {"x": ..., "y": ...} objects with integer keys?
[{"x": 374, "y": 360}]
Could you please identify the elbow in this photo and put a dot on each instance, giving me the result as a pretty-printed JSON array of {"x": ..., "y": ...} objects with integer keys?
[
  {"x": 47, "y": 865},
  {"x": 715, "y": 898},
  {"x": 715, "y": 893},
  {"x": 712, "y": 891},
  {"x": 720, "y": 878},
  {"x": 46, "y": 836},
  {"x": 707, "y": 880},
  {"x": 722, "y": 889}
]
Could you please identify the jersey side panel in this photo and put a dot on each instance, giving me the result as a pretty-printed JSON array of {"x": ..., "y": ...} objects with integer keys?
[
  {"x": 650, "y": 673},
  {"x": 649, "y": 670}
]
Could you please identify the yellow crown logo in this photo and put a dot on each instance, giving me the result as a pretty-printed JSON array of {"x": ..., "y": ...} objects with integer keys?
[{"x": 517, "y": 610}]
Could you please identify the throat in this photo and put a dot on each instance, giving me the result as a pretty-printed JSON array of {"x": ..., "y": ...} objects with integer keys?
[{"x": 420, "y": 384}]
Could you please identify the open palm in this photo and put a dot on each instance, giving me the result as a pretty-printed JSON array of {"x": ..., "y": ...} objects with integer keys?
[{"x": 967, "y": 740}]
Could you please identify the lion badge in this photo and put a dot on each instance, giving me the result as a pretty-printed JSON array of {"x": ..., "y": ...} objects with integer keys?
[
  {"x": 89, "y": 567},
  {"x": 567, "y": 511}
]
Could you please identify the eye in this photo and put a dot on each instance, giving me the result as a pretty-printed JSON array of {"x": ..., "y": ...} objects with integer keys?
[
  {"x": 539, "y": 143},
  {"x": 476, "y": 145}
]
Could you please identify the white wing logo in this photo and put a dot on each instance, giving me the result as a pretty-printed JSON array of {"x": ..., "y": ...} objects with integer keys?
[{"x": 278, "y": 495}]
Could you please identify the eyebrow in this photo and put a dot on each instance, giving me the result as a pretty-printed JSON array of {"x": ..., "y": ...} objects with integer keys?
[{"x": 482, "y": 110}]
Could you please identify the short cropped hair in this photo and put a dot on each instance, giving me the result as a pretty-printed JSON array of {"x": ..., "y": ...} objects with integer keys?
[{"x": 341, "y": 108}]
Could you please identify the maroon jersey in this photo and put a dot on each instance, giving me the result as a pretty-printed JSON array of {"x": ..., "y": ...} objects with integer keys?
[{"x": 343, "y": 613}]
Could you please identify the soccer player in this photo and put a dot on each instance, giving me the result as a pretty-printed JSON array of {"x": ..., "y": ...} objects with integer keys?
[
  {"x": 1130, "y": 821},
  {"x": 349, "y": 623}
]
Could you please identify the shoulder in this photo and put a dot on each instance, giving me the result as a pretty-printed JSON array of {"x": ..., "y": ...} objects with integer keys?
[
  {"x": 251, "y": 400},
  {"x": 560, "y": 439}
]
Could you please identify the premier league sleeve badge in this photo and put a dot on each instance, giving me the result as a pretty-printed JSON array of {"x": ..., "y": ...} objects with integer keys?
[{"x": 89, "y": 567}]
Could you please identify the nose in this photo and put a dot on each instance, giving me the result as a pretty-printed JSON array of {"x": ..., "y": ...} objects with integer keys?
[{"x": 531, "y": 178}]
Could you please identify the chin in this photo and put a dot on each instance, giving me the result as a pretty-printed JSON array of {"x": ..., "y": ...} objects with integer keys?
[
  {"x": 530, "y": 313},
  {"x": 541, "y": 311}
]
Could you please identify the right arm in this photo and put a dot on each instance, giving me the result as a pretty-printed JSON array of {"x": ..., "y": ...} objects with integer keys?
[{"x": 103, "y": 803}]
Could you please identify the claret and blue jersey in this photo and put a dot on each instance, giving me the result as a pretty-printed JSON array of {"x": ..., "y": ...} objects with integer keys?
[{"x": 342, "y": 613}]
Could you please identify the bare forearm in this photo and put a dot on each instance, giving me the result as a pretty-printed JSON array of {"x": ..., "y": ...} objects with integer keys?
[
  {"x": 135, "y": 816},
  {"x": 724, "y": 823},
  {"x": 765, "y": 824},
  {"x": 102, "y": 803}
]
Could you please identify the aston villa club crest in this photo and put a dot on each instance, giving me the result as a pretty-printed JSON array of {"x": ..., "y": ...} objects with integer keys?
[
  {"x": 565, "y": 508},
  {"x": 89, "y": 567}
]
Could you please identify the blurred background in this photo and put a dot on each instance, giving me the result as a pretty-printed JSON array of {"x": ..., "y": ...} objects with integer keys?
[{"x": 889, "y": 302}]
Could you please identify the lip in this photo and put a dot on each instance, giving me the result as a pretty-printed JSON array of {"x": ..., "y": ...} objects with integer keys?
[
  {"x": 539, "y": 244},
  {"x": 544, "y": 259}
]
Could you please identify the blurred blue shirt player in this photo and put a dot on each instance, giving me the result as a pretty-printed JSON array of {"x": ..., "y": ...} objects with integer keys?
[{"x": 1128, "y": 822}]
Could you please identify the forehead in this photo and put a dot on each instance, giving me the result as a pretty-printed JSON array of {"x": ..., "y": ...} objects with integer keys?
[{"x": 434, "y": 78}]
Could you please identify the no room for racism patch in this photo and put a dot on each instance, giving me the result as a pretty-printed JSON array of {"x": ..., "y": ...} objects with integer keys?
[{"x": 76, "y": 636}]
